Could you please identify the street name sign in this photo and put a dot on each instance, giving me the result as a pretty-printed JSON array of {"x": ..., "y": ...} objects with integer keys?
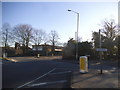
[{"x": 101, "y": 49}]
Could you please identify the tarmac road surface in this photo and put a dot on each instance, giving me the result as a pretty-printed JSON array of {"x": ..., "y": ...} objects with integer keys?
[{"x": 16, "y": 74}]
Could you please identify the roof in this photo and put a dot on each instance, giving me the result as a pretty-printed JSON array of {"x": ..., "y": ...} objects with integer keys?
[{"x": 48, "y": 45}]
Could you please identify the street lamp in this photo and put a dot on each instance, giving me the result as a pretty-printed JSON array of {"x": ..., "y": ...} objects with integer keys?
[
  {"x": 100, "y": 52},
  {"x": 77, "y": 32}
]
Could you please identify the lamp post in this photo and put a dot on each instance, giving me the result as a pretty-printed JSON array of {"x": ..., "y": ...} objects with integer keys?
[
  {"x": 77, "y": 32},
  {"x": 101, "y": 71}
]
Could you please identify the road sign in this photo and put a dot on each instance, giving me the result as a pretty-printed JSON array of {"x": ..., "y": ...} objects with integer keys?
[{"x": 101, "y": 49}]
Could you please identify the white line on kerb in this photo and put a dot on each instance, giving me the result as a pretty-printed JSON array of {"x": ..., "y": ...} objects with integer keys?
[{"x": 35, "y": 79}]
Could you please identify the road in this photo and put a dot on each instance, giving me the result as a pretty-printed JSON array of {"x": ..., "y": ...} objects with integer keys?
[
  {"x": 16, "y": 74},
  {"x": 26, "y": 69}
]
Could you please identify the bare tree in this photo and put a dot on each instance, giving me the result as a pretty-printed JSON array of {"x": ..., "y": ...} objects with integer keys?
[
  {"x": 6, "y": 35},
  {"x": 23, "y": 34},
  {"x": 53, "y": 38},
  {"x": 39, "y": 36},
  {"x": 110, "y": 29},
  {"x": 109, "y": 32}
]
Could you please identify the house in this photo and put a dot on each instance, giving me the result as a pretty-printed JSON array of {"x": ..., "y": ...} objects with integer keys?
[
  {"x": 7, "y": 52},
  {"x": 46, "y": 49},
  {"x": 18, "y": 49},
  {"x": 22, "y": 50}
]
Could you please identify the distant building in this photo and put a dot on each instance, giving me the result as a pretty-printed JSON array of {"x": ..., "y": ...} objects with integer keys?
[
  {"x": 18, "y": 49},
  {"x": 46, "y": 49},
  {"x": 37, "y": 47},
  {"x": 6, "y": 52}
]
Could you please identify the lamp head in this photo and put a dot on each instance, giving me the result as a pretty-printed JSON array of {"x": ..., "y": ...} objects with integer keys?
[{"x": 69, "y": 10}]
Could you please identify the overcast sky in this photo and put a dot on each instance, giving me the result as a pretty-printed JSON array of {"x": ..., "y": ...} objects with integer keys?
[{"x": 54, "y": 16}]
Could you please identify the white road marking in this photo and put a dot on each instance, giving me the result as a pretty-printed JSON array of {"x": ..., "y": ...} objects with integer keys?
[
  {"x": 38, "y": 84},
  {"x": 59, "y": 73},
  {"x": 35, "y": 79}
]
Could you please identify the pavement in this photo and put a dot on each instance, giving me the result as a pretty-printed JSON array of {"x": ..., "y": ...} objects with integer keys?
[
  {"x": 30, "y": 58},
  {"x": 92, "y": 79}
]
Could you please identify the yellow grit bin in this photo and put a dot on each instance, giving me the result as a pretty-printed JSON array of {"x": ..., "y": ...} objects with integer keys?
[{"x": 83, "y": 62}]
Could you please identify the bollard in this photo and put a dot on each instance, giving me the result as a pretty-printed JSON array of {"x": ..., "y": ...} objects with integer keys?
[
  {"x": 38, "y": 55},
  {"x": 83, "y": 61}
]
